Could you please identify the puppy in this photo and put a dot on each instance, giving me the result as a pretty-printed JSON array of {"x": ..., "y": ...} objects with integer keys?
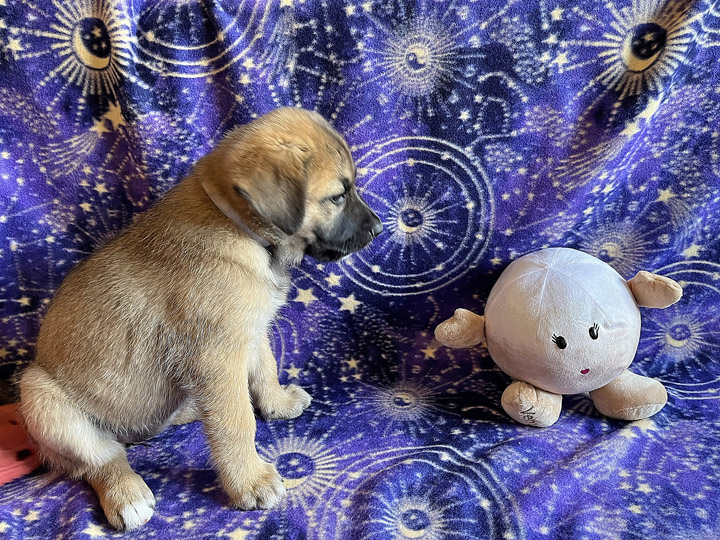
[{"x": 169, "y": 321}]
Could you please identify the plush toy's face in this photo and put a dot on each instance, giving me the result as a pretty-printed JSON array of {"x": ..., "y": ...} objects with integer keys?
[{"x": 563, "y": 321}]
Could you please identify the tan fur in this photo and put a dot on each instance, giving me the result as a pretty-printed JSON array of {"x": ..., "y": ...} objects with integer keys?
[{"x": 170, "y": 320}]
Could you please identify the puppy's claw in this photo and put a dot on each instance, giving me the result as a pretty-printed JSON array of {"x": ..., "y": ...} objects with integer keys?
[
  {"x": 289, "y": 402},
  {"x": 265, "y": 491},
  {"x": 132, "y": 512}
]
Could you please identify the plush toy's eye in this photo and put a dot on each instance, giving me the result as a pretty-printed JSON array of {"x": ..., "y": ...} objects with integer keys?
[
  {"x": 594, "y": 331},
  {"x": 559, "y": 341}
]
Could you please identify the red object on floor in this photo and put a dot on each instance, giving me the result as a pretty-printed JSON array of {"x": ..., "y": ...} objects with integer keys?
[{"x": 17, "y": 457}]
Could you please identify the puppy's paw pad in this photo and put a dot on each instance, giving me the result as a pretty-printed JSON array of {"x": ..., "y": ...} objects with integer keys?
[
  {"x": 265, "y": 492},
  {"x": 290, "y": 402},
  {"x": 136, "y": 513}
]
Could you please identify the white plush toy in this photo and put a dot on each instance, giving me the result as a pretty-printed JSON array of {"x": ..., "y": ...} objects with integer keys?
[{"x": 559, "y": 321}]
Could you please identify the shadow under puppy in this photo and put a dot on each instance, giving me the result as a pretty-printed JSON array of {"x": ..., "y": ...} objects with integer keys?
[{"x": 169, "y": 321}]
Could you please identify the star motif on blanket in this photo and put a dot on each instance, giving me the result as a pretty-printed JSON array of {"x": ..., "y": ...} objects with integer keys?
[{"x": 349, "y": 303}]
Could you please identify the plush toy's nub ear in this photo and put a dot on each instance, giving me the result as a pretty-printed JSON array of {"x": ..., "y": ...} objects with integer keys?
[
  {"x": 654, "y": 291},
  {"x": 464, "y": 329}
]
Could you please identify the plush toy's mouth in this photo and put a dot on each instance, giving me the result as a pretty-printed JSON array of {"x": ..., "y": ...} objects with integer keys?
[{"x": 585, "y": 371}]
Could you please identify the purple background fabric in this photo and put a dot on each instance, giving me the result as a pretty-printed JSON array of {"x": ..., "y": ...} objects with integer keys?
[{"x": 481, "y": 131}]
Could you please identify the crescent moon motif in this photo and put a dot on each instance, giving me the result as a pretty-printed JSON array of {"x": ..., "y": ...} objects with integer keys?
[
  {"x": 642, "y": 47},
  {"x": 84, "y": 55},
  {"x": 409, "y": 533}
]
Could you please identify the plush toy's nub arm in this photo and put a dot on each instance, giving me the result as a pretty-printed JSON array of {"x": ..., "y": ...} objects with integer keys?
[
  {"x": 464, "y": 329},
  {"x": 654, "y": 291}
]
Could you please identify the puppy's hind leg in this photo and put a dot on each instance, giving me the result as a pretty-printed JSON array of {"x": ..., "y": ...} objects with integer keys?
[
  {"x": 69, "y": 441},
  {"x": 273, "y": 401}
]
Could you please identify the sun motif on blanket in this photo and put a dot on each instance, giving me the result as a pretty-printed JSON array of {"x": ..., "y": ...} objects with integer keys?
[
  {"x": 417, "y": 59},
  {"x": 623, "y": 245},
  {"x": 681, "y": 343},
  {"x": 306, "y": 465},
  {"x": 434, "y": 201},
  {"x": 415, "y": 518},
  {"x": 642, "y": 46},
  {"x": 419, "y": 494},
  {"x": 90, "y": 44}
]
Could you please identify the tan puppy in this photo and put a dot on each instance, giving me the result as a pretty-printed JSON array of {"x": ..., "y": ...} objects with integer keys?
[{"x": 170, "y": 320}]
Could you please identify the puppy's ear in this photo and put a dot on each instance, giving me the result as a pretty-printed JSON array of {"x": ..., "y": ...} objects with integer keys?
[{"x": 276, "y": 188}]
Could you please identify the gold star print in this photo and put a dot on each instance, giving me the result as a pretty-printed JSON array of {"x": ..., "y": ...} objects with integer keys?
[
  {"x": 24, "y": 301},
  {"x": 239, "y": 534},
  {"x": 99, "y": 127},
  {"x": 85, "y": 206},
  {"x": 14, "y": 45},
  {"x": 32, "y": 516},
  {"x": 353, "y": 363},
  {"x": 664, "y": 195},
  {"x": 557, "y": 13},
  {"x": 93, "y": 530},
  {"x": 429, "y": 352},
  {"x": 100, "y": 188},
  {"x": 635, "y": 509},
  {"x": 3, "y": 526},
  {"x": 349, "y": 10},
  {"x": 333, "y": 279},
  {"x": 293, "y": 372},
  {"x": 496, "y": 261},
  {"x": 97, "y": 32},
  {"x": 561, "y": 59},
  {"x": 645, "y": 488},
  {"x": 349, "y": 303},
  {"x": 305, "y": 296},
  {"x": 3, "y": 353},
  {"x": 5, "y": 154},
  {"x": 115, "y": 116},
  {"x": 631, "y": 128},
  {"x": 693, "y": 250}
]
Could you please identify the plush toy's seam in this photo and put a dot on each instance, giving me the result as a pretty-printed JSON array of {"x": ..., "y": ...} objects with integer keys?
[
  {"x": 587, "y": 293},
  {"x": 547, "y": 275},
  {"x": 513, "y": 280}
]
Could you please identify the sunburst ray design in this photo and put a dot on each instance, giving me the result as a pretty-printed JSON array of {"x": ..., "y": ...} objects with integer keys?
[
  {"x": 621, "y": 245},
  {"x": 92, "y": 42},
  {"x": 419, "y": 58},
  {"x": 306, "y": 465},
  {"x": 643, "y": 45},
  {"x": 65, "y": 157},
  {"x": 681, "y": 344},
  {"x": 416, "y": 222}
]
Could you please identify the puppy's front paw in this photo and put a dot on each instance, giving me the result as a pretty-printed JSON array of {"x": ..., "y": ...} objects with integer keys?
[
  {"x": 262, "y": 489},
  {"x": 128, "y": 504},
  {"x": 285, "y": 403}
]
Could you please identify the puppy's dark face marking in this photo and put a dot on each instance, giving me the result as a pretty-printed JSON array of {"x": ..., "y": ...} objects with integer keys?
[{"x": 350, "y": 225}]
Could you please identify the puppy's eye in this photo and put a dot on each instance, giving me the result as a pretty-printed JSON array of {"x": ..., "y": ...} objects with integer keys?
[
  {"x": 338, "y": 199},
  {"x": 594, "y": 331},
  {"x": 559, "y": 341}
]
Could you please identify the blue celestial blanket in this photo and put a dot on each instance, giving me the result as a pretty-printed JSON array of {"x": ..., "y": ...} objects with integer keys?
[{"x": 481, "y": 130}]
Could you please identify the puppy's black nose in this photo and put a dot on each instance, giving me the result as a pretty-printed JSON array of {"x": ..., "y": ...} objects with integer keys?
[{"x": 376, "y": 227}]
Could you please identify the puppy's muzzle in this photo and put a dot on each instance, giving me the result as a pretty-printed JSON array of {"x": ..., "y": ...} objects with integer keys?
[{"x": 354, "y": 230}]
